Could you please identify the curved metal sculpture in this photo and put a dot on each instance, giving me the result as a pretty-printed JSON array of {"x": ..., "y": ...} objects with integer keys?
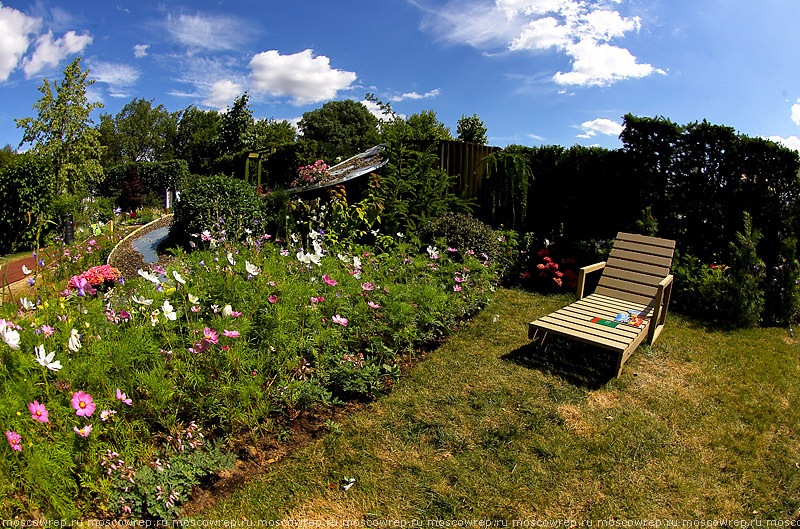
[{"x": 355, "y": 166}]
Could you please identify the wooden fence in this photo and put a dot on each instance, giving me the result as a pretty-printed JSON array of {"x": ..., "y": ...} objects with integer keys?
[{"x": 465, "y": 160}]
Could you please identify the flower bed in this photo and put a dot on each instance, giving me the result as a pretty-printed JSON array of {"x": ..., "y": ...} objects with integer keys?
[{"x": 119, "y": 404}]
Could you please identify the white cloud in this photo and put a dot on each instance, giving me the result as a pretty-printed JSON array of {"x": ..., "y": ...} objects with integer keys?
[
  {"x": 600, "y": 126},
  {"x": 580, "y": 29},
  {"x": 140, "y": 50},
  {"x": 796, "y": 112},
  {"x": 414, "y": 95},
  {"x": 792, "y": 142},
  {"x": 601, "y": 64},
  {"x": 222, "y": 94},
  {"x": 208, "y": 32},
  {"x": 49, "y": 51},
  {"x": 15, "y": 27},
  {"x": 118, "y": 77},
  {"x": 301, "y": 76}
]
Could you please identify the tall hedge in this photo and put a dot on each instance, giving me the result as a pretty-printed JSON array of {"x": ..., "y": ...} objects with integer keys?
[
  {"x": 25, "y": 183},
  {"x": 155, "y": 176}
]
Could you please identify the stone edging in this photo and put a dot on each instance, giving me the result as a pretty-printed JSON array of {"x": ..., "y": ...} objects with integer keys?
[{"x": 150, "y": 226}]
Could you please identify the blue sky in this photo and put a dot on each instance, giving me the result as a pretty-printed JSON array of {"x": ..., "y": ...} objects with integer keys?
[{"x": 536, "y": 71}]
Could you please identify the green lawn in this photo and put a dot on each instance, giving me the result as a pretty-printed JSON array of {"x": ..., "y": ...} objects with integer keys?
[{"x": 703, "y": 424}]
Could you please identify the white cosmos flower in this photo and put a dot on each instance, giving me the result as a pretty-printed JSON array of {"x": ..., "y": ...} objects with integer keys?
[
  {"x": 74, "y": 342},
  {"x": 46, "y": 360},
  {"x": 251, "y": 268},
  {"x": 230, "y": 259},
  {"x": 193, "y": 299},
  {"x": 343, "y": 258},
  {"x": 169, "y": 311},
  {"x": 10, "y": 335},
  {"x": 141, "y": 301},
  {"x": 154, "y": 317},
  {"x": 227, "y": 310},
  {"x": 178, "y": 277},
  {"x": 26, "y": 270},
  {"x": 28, "y": 305},
  {"x": 149, "y": 276},
  {"x": 356, "y": 261}
]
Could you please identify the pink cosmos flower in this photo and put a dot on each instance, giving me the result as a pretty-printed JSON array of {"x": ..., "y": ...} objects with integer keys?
[
  {"x": 38, "y": 412},
  {"x": 14, "y": 440},
  {"x": 273, "y": 298},
  {"x": 230, "y": 334},
  {"x": 210, "y": 335},
  {"x": 367, "y": 286},
  {"x": 457, "y": 288},
  {"x": 83, "y": 404},
  {"x": 235, "y": 314},
  {"x": 195, "y": 308},
  {"x": 341, "y": 321},
  {"x": 373, "y": 305},
  {"x": 452, "y": 250},
  {"x": 47, "y": 330},
  {"x": 83, "y": 432},
  {"x": 458, "y": 279},
  {"x": 124, "y": 398},
  {"x": 107, "y": 414},
  {"x": 329, "y": 281}
]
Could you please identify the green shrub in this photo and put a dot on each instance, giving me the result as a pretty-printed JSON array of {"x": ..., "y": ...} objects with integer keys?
[
  {"x": 463, "y": 231},
  {"x": 24, "y": 200},
  {"x": 732, "y": 295},
  {"x": 213, "y": 200}
]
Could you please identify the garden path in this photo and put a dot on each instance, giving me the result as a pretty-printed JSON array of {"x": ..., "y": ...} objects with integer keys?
[{"x": 11, "y": 272}]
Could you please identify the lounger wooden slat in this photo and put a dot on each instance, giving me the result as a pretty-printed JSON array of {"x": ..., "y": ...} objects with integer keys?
[
  {"x": 622, "y": 264},
  {"x": 635, "y": 279}
]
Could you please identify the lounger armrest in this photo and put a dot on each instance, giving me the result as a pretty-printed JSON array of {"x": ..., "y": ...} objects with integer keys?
[
  {"x": 660, "y": 309},
  {"x": 582, "y": 277}
]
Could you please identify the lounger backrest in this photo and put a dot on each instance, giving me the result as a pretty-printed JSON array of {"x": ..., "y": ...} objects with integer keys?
[{"x": 635, "y": 267}]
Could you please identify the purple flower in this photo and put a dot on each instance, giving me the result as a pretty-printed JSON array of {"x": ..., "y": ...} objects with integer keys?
[
  {"x": 38, "y": 412},
  {"x": 14, "y": 440},
  {"x": 124, "y": 398},
  {"x": 83, "y": 404}
]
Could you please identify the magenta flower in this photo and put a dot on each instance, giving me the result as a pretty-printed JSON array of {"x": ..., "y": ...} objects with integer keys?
[
  {"x": 83, "y": 404},
  {"x": 329, "y": 281},
  {"x": 273, "y": 298},
  {"x": 341, "y": 321},
  {"x": 230, "y": 334},
  {"x": 124, "y": 398},
  {"x": 458, "y": 279},
  {"x": 14, "y": 440},
  {"x": 457, "y": 288},
  {"x": 83, "y": 432},
  {"x": 210, "y": 335},
  {"x": 367, "y": 286},
  {"x": 38, "y": 411}
]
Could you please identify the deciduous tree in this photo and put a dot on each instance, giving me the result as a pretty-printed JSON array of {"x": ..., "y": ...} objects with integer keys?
[{"x": 64, "y": 130}]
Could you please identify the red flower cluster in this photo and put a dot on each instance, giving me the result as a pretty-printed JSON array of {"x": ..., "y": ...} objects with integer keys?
[
  {"x": 96, "y": 275},
  {"x": 550, "y": 268},
  {"x": 312, "y": 174}
]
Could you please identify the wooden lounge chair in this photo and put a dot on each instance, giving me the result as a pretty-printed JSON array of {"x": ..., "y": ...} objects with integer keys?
[{"x": 635, "y": 279}]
